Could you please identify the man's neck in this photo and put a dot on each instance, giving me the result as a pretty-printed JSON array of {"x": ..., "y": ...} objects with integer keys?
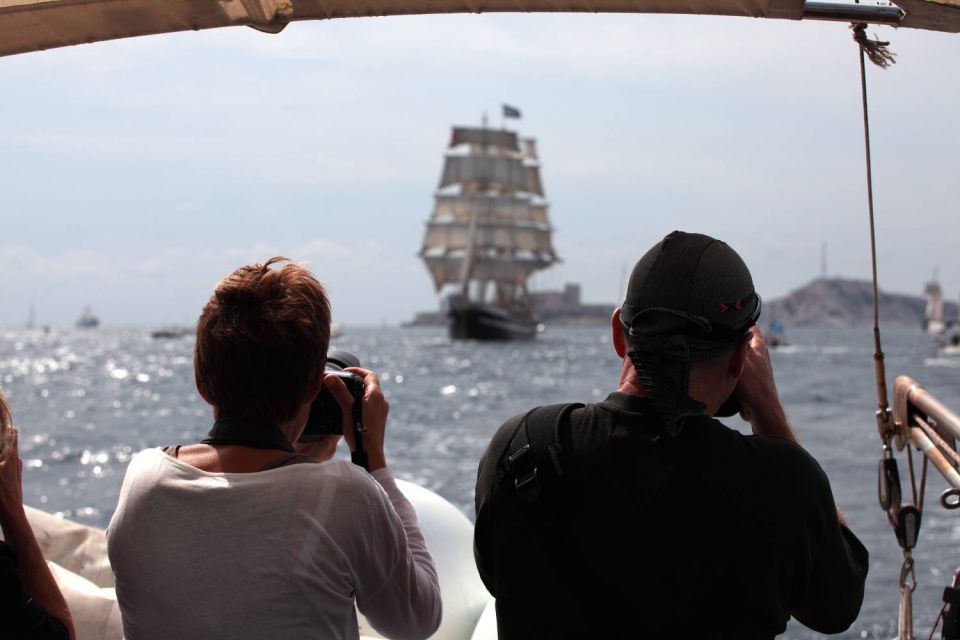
[{"x": 629, "y": 381}]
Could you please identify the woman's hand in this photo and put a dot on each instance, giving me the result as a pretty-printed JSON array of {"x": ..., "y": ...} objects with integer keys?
[
  {"x": 11, "y": 473},
  {"x": 374, "y": 413}
]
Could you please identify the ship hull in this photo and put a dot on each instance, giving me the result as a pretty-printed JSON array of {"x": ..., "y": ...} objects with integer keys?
[{"x": 471, "y": 321}]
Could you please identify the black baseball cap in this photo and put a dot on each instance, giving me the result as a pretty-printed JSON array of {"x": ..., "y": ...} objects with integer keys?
[{"x": 692, "y": 285}]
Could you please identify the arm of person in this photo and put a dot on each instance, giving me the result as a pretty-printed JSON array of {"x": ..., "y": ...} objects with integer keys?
[
  {"x": 759, "y": 401},
  {"x": 832, "y": 565},
  {"x": 407, "y": 603},
  {"x": 835, "y": 560},
  {"x": 34, "y": 572}
]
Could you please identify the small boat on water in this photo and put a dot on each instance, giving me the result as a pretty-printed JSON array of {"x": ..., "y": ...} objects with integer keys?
[
  {"x": 775, "y": 335},
  {"x": 171, "y": 333},
  {"x": 87, "y": 320},
  {"x": 948, "y": 342},
  {"x": 489, "y": 232}
]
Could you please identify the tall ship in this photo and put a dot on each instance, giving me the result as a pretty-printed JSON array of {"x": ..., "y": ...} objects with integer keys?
[{"x": 489, "y": 232}]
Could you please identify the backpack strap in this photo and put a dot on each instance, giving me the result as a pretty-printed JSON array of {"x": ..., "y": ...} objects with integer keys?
[{"x": 534, "y": 447}]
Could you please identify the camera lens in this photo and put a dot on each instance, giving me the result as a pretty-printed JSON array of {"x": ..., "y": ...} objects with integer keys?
[{"x": 338, "y": 360}]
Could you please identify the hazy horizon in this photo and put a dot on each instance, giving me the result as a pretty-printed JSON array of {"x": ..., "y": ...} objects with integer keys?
[{"x": 139, "y": 172}]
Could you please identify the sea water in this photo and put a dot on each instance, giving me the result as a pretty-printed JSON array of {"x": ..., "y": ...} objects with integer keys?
[{"x": 86, "y": 401}]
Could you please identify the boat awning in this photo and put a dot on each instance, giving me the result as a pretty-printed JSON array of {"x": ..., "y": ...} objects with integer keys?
[{"x": 32, "y": 25}]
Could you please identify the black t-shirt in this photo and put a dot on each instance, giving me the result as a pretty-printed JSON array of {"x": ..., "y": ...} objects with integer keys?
[
  {"x": 710, "y": 534},
  {"x": 20, "y": 617}
]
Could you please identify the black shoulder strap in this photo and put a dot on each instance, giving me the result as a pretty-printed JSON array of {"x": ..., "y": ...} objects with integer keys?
[{"x": 533, "y": 449}]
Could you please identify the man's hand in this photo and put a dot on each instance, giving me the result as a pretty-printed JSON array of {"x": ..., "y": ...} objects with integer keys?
[
  {"x": 757, "y": 391},
  {"x": 11, "y": 473},
  {"x": 374, "y": 412}
]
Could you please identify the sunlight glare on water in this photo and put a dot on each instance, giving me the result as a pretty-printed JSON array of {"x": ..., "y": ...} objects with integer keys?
[{"x": 86, "y": 401}]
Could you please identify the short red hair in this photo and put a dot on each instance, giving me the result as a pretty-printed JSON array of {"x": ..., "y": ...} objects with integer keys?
[{"x": 262, "y": 342}]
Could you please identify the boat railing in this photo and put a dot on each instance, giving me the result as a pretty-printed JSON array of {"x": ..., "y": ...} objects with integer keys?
[{"x": 933, "y": 428}]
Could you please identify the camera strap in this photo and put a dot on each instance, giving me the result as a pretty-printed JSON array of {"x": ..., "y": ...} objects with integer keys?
[
  {"x": 249, "y": 434},
  {"x": 358, "y": 456}
]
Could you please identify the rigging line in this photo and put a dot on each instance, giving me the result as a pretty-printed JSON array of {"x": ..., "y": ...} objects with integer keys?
[
  {"x": 913, "y": 475},
  {"x": 883, "y": 412},
  {"x": 937, "y": 622},
  {"x": 923, "y": 483},
  {"x": 935, "y": 438}
]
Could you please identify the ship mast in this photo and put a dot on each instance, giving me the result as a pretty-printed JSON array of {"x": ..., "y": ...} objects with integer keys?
[{"x": 472, "y": 229}]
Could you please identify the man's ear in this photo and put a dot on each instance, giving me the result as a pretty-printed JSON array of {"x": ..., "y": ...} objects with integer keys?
[
  {"x": 738, "y": 358},
  {"x": 616, "y": 333}
]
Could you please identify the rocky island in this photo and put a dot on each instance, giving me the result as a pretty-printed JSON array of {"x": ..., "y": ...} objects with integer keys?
[{"x": 843, "y": 302}]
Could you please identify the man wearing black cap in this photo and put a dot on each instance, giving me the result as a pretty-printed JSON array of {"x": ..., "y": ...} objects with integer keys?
[{"x": 642, "y": 516}]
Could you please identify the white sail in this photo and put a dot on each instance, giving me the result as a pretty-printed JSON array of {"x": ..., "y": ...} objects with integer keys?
[
  {"x": 506, "y": 238},
  {"x": 489, "y": 138},
  {"x": 531, "y": 179},
  {"x": 493, "y": 227},
  {"x": 505, "y": 173},
  {"x": 529, "y": 149},
  {"x": 456, "y": 208}
]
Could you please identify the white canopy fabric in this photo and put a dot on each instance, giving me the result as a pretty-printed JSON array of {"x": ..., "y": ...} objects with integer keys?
[{"x": 32, "y": 25}]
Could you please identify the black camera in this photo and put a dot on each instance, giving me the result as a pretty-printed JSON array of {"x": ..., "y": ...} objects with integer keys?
[{"x": 325, "y": 415}]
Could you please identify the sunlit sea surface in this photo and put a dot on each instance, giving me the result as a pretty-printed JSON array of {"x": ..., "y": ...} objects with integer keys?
[{"x": 85, "y": 401}]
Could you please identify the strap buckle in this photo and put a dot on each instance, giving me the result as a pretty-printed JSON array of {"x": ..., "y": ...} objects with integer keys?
[
  {"x": 525, "y": 473},
  {"x": 527, "y": 485}
]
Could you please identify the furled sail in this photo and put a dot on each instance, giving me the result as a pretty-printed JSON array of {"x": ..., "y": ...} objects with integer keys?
[{"x": 34, "y": 25}]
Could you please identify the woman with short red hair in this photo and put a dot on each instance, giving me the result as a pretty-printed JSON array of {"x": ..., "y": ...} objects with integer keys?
[{"x": 249, "y": 533}]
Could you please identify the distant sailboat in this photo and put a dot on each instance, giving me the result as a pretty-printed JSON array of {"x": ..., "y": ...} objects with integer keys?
[
  {"x": 488, "y": 233},
  {"x": 88, "y": 320},
  {"x": 933, "y": 315}
]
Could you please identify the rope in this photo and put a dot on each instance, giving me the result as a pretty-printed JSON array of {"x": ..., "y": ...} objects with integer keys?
[
  {"x": 877, "y": 50},
  {"x": 923, "y": 483},
  {"x": 883, "y": 413},
  {"x": 913, "y": 475},
  {"x": 937, "y": 622}
]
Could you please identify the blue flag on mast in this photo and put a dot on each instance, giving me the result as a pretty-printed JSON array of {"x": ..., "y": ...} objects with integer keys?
[{"x": 510, "y": 112}]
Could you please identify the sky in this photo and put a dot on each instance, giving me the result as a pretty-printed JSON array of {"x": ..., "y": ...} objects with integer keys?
[{"x": 135, "y": 174}]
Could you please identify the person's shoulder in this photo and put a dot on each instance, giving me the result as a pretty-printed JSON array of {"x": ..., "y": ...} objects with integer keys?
[
  {"x": 504, "y": 434},
  {"x": 347, "y": 479},
  {"x": 784, "y": 458},
  {"x": 145, "y": 462}
]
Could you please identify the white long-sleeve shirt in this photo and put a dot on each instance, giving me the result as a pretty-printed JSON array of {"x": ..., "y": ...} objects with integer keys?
[{"x": 278, "y": 554}]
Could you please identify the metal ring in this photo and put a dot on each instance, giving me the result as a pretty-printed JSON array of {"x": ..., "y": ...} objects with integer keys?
[{"x": 950, "y": 499}]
